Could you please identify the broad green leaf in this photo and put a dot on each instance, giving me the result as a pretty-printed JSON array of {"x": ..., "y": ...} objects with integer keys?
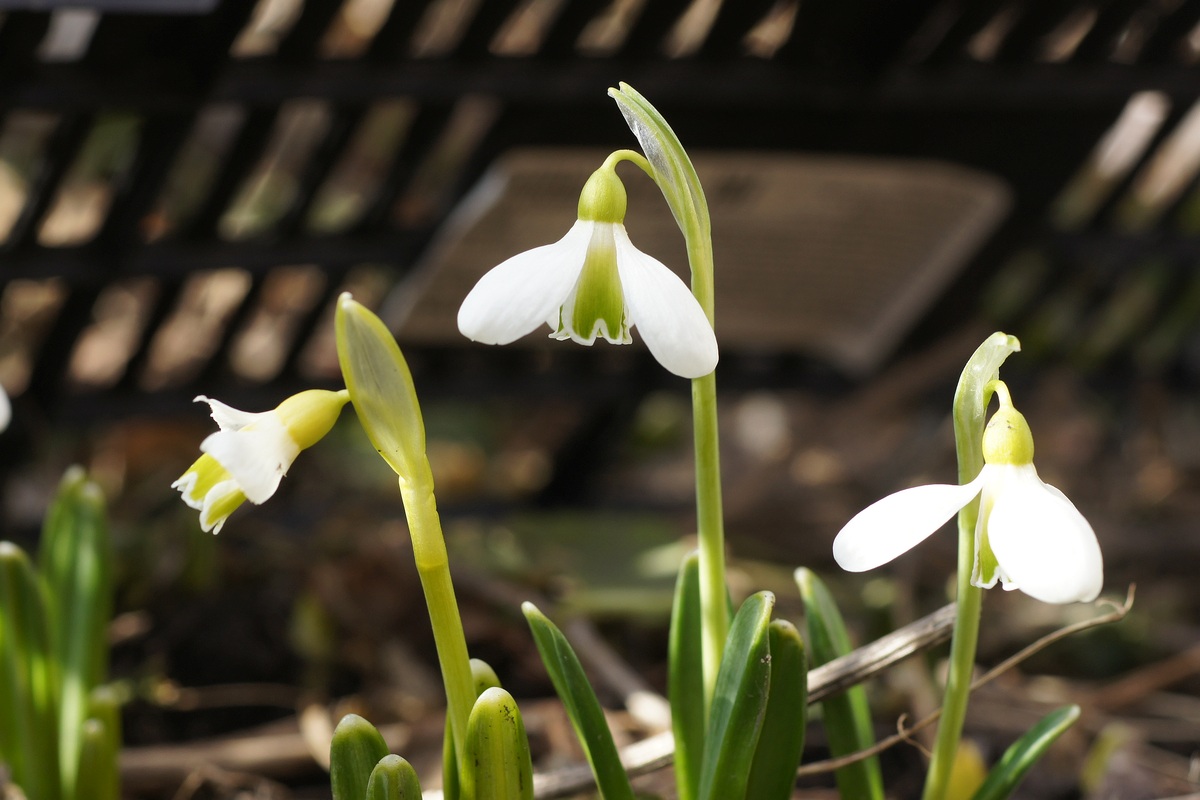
[
  {"x": 781, "y": 742},
  {"x": 485, "y": 678},
  {"x": 393, "y": 779},
  {"x": 1025, "y": 752},
  {"x": 355, "y": 750},
  {"x": 28, "y": 679},
  {"x": 497, "y": 750},
  {"x": 685, "y": 679},
  {"x": 583, "y": 709},
  {"x": 75, "y": 561},
  {"x": 847, "y": 715},
  {"x": 739, "y": 702}
]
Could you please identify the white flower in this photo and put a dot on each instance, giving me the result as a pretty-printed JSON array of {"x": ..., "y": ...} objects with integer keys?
[
  {"x": 248, "y": 457},
  {"x": 594, "y": 282},
  {"x": 1029, "y": 535}
]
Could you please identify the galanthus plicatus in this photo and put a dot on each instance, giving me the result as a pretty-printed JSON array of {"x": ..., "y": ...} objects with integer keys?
[
  {"x": 250, "y": 454},
  {"x": 1029, "y": 535},
  {"x": 594, "y": 282}
]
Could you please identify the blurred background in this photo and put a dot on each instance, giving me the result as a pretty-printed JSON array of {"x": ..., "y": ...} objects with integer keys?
[{"x": 186, "y": 185}]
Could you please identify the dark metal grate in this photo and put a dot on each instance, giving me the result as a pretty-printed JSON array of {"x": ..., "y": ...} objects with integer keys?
[{"x": 176, "y": 189}]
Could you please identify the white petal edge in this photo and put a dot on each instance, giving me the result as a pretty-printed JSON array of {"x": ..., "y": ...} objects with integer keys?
[
  {"x": 899, "y": 522},
  {"x": 519, "y": 294},
  {"x": 217, "y": 493},
  {"x": 257, "y": 459},
  {"x": 665, "y": 312},
  {"x": 5, "y": 410},
  {"x": 1043, "y": 544}
]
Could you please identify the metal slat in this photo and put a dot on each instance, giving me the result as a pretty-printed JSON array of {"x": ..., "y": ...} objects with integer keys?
[{"x": 61, "y": 151}]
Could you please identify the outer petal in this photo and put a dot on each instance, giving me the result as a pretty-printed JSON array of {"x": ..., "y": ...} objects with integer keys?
[
  {"x": 897, "y": 523},
  {"x": 257, "y": 457},
  {"x": 665, "y": 312},
  {"x": 229, "y": 418},
  {"x": 5, "y": 409},
  {"x": 1043, "y": 544},
  {"x": 520, "y": 294}
]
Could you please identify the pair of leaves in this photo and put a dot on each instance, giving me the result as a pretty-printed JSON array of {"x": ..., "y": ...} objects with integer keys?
[{"x": 360, "y": 767}]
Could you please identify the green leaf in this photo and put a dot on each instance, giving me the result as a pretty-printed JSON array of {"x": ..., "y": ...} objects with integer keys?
[
  {"x": 76, "y": 566},
  {"x": 28, "y": 679},
  {"x": 381, "y": 388},
  {"x": 847, "y": 715},
  {"x": 685, "y": 679},
  {"x": 781, "y": 742},
  {"x": 497, "y": 750},
  {"x": 1024, "y": 753},
  {"x": 485, "y": 678},
  {"x": 355, "y": 750},
  {"x": 583, "y": 709},
  {"x": 393, "y": 779},
  {"x": 100, "y": 777},
  {"x": 739, "y": 702}
]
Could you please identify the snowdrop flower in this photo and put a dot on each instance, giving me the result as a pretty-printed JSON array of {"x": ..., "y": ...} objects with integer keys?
[
  {"x": 1029, "y": 535},
  {"x": 594, "y": 282},
  {"x": 250, "y": 454}
]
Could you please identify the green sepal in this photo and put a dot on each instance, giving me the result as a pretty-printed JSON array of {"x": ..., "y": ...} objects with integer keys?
[
  {"x": 1024, "y": 753},
  {"x": 28, "y": 679},
  {"x": 685, "y": 678},
  {"x": 100, "y": 778},
  {"x": 393, "y": 778},
  {"x": 485, "y": 678},
  {"x": 353, "y": 753},
  {"x": 381, "y": 388},
  {"x": 739, "y": 702},
  {"x": 498, "y": 765},
  {"x": 773, "y": 773},
  {"x": 583, "y": 709},
  {"x": 75, "y": 561},
  {"x": 847, "y": 716}
]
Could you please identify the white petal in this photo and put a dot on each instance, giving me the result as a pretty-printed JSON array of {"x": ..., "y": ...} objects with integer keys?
[
  {"x": 229, "y": 418},
  {"x": 5, "y": 409},
  {"x": 897, "y": 523},
  {"x": 518, "y": 295},
  {"x": 1043, "y": 544},
  {"x": 218, "y": 493},
  {"x": 665, "y": 312},
  {"x": 257, "y": 458}
]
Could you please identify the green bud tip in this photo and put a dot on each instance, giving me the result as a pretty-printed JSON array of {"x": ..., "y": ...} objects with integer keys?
[
  {"x": 603, "y": 198},
  {"x": 1007, "y": 438}
]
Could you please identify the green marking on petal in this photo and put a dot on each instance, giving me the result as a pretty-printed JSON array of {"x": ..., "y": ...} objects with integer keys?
[{"x": 599, "y": 306}]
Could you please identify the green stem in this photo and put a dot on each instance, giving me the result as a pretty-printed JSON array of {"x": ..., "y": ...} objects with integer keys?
[
  {"x": 710, "y": 524},
  {"x": 433, "y": 567}
]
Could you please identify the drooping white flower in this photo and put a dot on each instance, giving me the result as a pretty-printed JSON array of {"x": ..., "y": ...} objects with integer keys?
[
  {"x": 1029, "y": 536},
  {"x": 248, "y": 457},
  {"x": 594, "y": 282}
]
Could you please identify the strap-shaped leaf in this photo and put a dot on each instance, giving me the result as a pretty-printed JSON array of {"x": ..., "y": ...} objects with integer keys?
[
  {"x": 99, "y": 777},
  {"x": 498, "y": 766},
  {"x": 393, "y": 779},
  {"x": 583, "y": 709},
  {"x": 75, "y": 561},
  {"x": 739, "y": 702},
  {"x": 1004, "y": 778},
  {"x": 781, "y": 742},
  {"x": 685, "y": 679},
  {"x": 355, "y": 750},
  {"x": 485, "y": 678},
  {"x": 847, "y": 715},
  {"x": 28, "y": 679}
]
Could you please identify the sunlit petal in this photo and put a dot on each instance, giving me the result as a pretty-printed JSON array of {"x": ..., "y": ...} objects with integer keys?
[
  {"x": 897, "y": 523},
  {"x": 257, "y": 457},
  {"x": 5, "y": 409},
  {"x": 520, "y": 294},
  {"x": 1044, "y": 545},
  {"x": 229, "y": 418},
  {"x": 665, "y": 312}
]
